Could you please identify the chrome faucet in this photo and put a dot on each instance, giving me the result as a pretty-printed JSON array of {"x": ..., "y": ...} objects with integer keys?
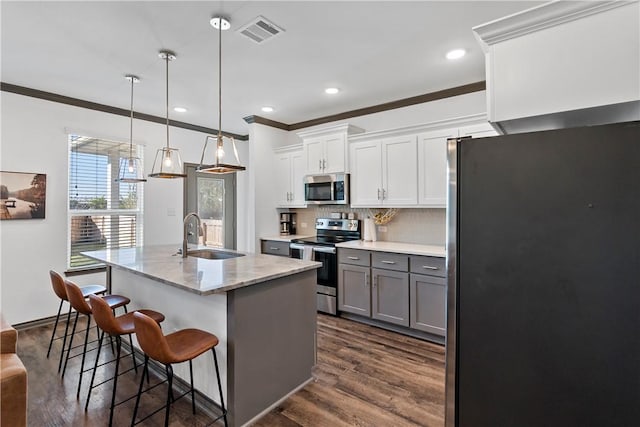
[{"x": 186, "y": 234}]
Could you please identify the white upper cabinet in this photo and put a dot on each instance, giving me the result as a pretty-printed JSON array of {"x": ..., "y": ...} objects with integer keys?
[
  {"x": 325, "y": 150},
  {"x": 432, "y": 167},
  {"x": 289, "y": 174},
  {"x": 563, "y": 64},
  {"x": 399, "y": 171},
  {"x": 384, "y": 172},
  {"x": 407, "y": 167}
]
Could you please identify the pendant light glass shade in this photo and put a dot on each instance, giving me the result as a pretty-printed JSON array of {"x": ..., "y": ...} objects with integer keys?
[
  {"x": 131, "y": 167},
  {"x": 219, "y": 167},
  {"x": 167, "y": 163}
]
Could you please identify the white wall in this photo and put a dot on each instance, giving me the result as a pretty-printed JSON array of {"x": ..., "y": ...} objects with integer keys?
[{"x": 34, "y": 140}]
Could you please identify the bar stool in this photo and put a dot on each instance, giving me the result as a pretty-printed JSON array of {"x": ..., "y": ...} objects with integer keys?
[
  {"x": 116, "y": 327},
  {"x": 57, "y": 282},
  {"x": 79, "y": 303},
  {"x": 181, "y": 346}
]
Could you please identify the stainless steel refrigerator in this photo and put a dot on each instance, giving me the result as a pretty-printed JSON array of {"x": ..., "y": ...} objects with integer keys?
[{"x": 544, "y": 279}]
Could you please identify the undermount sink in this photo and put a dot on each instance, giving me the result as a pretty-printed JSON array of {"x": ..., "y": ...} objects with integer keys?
[{"x": 212, "y": 254}]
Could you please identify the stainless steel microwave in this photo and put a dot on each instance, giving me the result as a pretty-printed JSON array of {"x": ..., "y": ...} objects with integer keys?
[{"x": 327, "y": 189}]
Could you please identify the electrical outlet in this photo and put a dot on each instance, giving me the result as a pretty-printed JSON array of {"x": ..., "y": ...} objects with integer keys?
[
  {"x": 171, "y": 211},
  {"x": 303, "y": 225},
  {"x": 382, "y": 228}
]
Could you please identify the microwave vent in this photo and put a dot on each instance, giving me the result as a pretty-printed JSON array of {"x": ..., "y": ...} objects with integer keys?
[{"x": 260, "y": 30}]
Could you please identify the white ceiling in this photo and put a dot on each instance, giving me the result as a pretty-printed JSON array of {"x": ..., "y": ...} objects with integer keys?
[{"x": 375, "y": 51}]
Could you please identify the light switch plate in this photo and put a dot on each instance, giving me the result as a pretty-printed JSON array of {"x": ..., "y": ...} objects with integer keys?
[
  {"x": 303, "y": 225},
  {"x": 382, "y": 228},
  {"x": 171, "y": 211}
]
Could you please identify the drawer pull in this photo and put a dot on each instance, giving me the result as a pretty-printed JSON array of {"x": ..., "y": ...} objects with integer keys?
[
  {"x": 428, "y": 267},
  {"x": 387, "y": 262},
  {"x": 355, "y": 258},
  {"x": 274, "y": 249}
]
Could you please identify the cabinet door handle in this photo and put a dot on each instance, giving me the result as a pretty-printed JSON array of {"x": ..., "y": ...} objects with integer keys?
[
  {"x": 378, "y": 194},
  {"x": 291, "y": 195},
  {"x": 320, "y": 164},
  {"x": 375, "y": 281},
  {"x": 274, "y": 249},
  {"x": 387, "y": 262},
  {"x": 355, "y": 258},
  {"x": 384, "y": 194},
  {"x": 366, "y": 280},
  {"x": 324, "y": 164},
  {"x": 428, "y": 267}
]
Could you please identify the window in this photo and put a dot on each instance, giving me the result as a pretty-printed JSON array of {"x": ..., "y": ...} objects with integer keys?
[{"x": 103, "y": 214}]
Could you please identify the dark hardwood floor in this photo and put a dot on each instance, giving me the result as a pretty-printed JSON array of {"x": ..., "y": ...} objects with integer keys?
[{"x": 365, "y": 376}]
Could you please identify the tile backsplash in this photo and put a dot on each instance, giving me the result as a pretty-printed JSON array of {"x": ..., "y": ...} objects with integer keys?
[{"x": 423, "y": 226}]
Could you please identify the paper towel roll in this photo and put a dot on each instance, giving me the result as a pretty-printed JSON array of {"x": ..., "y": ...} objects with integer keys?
[{"x": 369, "y": 230}]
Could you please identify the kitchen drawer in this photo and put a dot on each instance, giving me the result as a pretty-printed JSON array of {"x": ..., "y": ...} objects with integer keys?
[
  {"x": 354, "y": 257},
  {"x": 433, "y": 266},
  {"x": 275, "y": 247},
  {"x": 388, "y": 261}
]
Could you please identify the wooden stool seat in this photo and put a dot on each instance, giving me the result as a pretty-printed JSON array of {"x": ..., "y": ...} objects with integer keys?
[
  {"x": 187, "y": 344},
  {"x": 181, "y": 346}
]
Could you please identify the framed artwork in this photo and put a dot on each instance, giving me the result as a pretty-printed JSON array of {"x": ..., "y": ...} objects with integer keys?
[{"x": 22, "y": 195}]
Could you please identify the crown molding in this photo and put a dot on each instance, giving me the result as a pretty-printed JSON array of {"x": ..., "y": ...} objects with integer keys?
[
  {"x": 267, "y": 122},
  {"x": 423, "y": 127},
  {"x": 341, "y": 128},
  {"x": 538, "y": 18},
  {"x": 75, "y": 102}
]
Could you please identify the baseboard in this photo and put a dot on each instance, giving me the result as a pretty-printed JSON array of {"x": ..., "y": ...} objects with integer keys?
[{"x": 37, "y": 323}]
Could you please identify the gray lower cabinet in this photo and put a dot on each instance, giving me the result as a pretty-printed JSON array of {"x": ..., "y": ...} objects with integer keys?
[
  {"x": 428, "y": 301},
  {"x": 275, "y": 247},
  {"x": 390, "y": 296},
  {"x": 354, "y": 294}
]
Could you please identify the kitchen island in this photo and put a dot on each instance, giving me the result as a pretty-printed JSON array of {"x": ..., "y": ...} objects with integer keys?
[{"x": 261, "y": 307}]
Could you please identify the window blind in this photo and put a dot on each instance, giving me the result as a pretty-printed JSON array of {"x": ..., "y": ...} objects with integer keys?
[{"x": 103, "y": 214}]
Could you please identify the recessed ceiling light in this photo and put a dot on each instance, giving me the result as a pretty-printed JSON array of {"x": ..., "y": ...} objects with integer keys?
[
  {"x": 267, "y": 109},
  {"x": 456, "y": 54},
  {"x": 331, "y": 90},
  {"x": 179, "y": 109}
]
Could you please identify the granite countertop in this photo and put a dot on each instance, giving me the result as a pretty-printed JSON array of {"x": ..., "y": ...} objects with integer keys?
[
  {"x": 287, "y": 238},
  {"x": 198, "y": 275},
  {"x": 396, "y": 247}
]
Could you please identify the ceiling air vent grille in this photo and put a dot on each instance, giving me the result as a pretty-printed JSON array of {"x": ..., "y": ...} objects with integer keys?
[{"x": 260, "y": 30}]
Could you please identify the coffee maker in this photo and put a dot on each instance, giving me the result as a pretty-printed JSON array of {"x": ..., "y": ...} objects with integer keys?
[{"x": 287, "y": 223}]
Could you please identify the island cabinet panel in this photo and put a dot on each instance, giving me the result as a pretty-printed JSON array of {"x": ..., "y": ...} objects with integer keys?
[
  {"x": 390, "y": 296},
  {"x": 428, "y": 295},
  {"x": 354, "y": 294}
]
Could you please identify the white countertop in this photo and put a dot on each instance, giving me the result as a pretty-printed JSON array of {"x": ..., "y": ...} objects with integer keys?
[
  {"x": 396, "y": 247},
  {"x": 198, "y": 275},
  {"x": 287, "y": 238}
]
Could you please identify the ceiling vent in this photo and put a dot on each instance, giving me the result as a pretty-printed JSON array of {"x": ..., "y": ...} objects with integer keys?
[{"x": 260, "y": 30}]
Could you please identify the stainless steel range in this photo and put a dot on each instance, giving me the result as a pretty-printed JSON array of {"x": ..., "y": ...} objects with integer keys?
[{"x": 322, "y": 248}]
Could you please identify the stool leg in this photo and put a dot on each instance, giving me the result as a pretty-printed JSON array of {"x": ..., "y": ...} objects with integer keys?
[
  {"x": 84, "y": 354},
  {"x": 144, "y": 372},
  {"x": 224, "y": 409},
  {"x": 133, "y": 354},
  {"x": 169, "y": 395},
  {"x": 64, "y": 341},
  {"x": 193, "y": 395},
  {"x": 95, "y": 368},
  {"x": 55, "y": 327},
  {"x": 73, "y": 332},
  {"x": 115, "y": 380}
]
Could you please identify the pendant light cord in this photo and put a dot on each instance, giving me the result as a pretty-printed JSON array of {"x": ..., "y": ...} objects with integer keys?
[
  {"x": 220, "y": 77},
  {"x": 167, "y": 97},
  {"x": 131, "y": 122}
]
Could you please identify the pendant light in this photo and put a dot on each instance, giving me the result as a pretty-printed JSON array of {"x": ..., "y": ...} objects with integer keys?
[
  {"x": 167, "y": 163},
  {"x": 219, "y": 167},
  {"x": 131, "y": 167}
]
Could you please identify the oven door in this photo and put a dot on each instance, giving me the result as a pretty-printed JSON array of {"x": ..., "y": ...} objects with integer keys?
[{"x": 328, "y": 273}]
